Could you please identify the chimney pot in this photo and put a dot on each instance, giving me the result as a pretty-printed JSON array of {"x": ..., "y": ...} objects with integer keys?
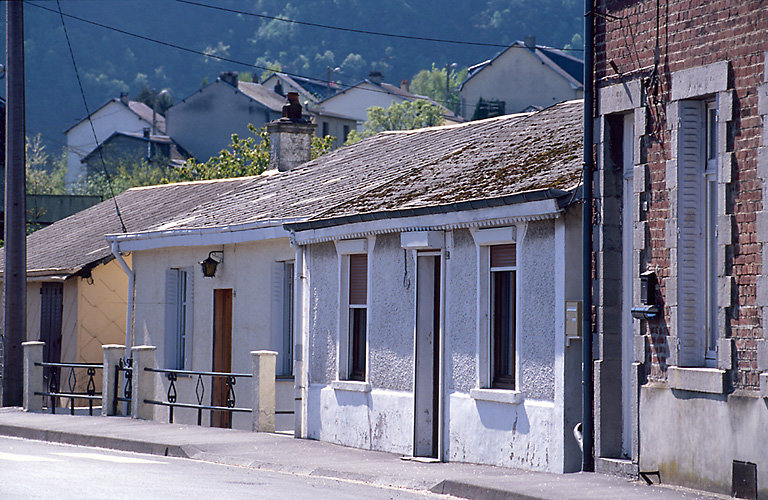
[
  {"x": 124, "y": 98},
  {"x": 530, "y": 42},
  {"x": 376, "y": 77},
  {"x": 279, "y": 88},
  {"x": 229, "y": 77}
]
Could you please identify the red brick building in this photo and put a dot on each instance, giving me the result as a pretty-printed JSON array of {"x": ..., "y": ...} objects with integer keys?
[{"x": 682, "y": 170}]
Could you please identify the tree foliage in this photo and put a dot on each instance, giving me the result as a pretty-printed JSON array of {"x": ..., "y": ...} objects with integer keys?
[
  {"x": 431, "y": 83},
  {"x": 44, "y": 175},
  {"x": 407, "y": 115}
]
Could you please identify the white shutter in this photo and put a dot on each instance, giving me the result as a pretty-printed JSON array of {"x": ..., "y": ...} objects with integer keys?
[
  {"x": 276, "y": 311},
  {"x": 171, "y": 297},
  {"x": 691, "y": 239}
]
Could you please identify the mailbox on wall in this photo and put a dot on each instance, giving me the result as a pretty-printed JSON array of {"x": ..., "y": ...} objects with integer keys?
[{"x": 648, "y": 288}]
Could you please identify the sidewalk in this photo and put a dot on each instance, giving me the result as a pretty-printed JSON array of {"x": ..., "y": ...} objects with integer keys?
[{"x": 281, "y": 453}]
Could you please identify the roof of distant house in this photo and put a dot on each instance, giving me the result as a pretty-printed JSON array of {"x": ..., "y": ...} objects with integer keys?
[
  {"x": 569, "y": 67},
  {"x": 176, "y": 151},
  {"x": 310, "y": 88},
  {"x": 138, "y": 108},
  {"x": 263, "y": 95}
]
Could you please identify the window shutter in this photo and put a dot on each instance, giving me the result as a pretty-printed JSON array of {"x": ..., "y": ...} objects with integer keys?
[
  {"x": 276, "y": 310},
  {"x": 171, "y": 297},
  {"x": 358, "y": 279},
  {"x": 690, "y": 244},
  {"x": 503, "y": 255},
  {"x": 190, "y": 317}
]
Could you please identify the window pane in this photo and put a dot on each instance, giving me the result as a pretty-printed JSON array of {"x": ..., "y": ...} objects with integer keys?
[
  {"x": 503, "y": 324},
  {"x": 358, "y": 279},
  {"x": 357, "y": 322}
]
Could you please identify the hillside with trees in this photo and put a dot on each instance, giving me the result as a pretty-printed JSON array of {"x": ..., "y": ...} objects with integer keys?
[{"x": 111, "y": 62}]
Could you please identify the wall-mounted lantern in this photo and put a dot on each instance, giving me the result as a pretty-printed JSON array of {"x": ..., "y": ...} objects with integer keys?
[
  {"x": 209, "y": 264},
  {"x": 648, "y": 287}
]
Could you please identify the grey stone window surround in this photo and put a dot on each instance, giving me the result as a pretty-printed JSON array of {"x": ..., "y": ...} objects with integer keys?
[
  {"x": 762, "y": 228},
  {"x": 699, "y": 83}
]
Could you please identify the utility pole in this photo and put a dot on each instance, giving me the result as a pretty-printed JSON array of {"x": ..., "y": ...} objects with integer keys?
[{"x": 15, "y": 282}]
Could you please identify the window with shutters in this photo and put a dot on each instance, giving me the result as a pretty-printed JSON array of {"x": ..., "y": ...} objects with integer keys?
[
  {"x": 502, "y": 296},
  {"x": 358, "y": 308},
  {"x": 178, "y": 318},
  {"x": 697, "y": 234},
  {"x": 282, "y": 312}
]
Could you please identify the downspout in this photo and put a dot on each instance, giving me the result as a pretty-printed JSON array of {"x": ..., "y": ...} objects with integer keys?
[
  {"x": 300, "y": 340},
  {"x": 587, "y": 381},
  {"x": 129, "y": 305}
]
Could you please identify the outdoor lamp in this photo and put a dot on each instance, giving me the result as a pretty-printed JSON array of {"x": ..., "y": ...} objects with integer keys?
[{"x": 209, "y": 264}]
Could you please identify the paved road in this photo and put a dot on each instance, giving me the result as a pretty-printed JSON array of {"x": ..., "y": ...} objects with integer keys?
[{"x": 34, "y": 469}]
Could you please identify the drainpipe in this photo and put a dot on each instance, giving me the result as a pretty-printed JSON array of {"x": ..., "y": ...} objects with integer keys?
[
  {"x": 587, "y": 382},
  {"x": 301, "y": 366},
  {"x": 129, "y": 305}
]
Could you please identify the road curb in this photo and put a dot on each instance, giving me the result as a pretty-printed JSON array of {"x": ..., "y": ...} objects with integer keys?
[
  {"x": 474, "y": 491},
  {"x": 63, "y": 437}
]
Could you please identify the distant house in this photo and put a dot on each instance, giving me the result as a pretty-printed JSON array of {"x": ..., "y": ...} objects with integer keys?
[
  {"x": 120, "y": 146},
  {"x": 121, "y": 115},
  {"x": 311, "y": 92},
  {"x": 354, "y": 101},
  {"x": 204, "y": 122},
  {"x": 522, "y": 77}
]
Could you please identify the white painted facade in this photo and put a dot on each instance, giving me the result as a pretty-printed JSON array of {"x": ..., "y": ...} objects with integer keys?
[
  {"x": 529, "y": 427},
  {"x": 112, "y": 117},
  {"x": 251, "y": 261},
  {"x": 355, "y": 101}
]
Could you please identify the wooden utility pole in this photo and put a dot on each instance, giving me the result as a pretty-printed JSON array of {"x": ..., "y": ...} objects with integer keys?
[{"x": 15, "y": 278}]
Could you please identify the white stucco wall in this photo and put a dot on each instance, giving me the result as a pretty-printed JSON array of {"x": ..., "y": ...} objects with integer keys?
[
  {"x": 518, "y": 78},
  {"x": 356, "y": 101},
  {"x": 479, "y": 431},
  {"x": 247, "y": 271},
  {"x": 110, "y": 118}
]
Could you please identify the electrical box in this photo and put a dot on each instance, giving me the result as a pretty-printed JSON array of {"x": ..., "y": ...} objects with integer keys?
[{"x": 572, "y": 319}]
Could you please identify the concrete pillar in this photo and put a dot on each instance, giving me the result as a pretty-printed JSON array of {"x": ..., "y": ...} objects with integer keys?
[
  {"x": 143, "y": 381},
  {"x": 33, "y": 375},
  {"x": 112, "y": 355},
  {"x": 263, "y": 390}
]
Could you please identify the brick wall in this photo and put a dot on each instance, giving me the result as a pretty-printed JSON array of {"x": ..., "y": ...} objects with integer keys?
[{"x": 686, "y": 34}]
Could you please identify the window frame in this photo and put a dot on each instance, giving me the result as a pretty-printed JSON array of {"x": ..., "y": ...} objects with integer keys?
[
  {"x": 507, "y": 380},
  {"x": 345, "y": 341},
  {"x": 484, "y": 240},
  {"x": 178, "y": 317}
]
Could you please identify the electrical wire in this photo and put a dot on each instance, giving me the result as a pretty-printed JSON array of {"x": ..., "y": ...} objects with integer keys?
[
  {"x": 346, "y": 86},
  {"x": 93, "y": 130},
  {"x": 351, "y": 30}
]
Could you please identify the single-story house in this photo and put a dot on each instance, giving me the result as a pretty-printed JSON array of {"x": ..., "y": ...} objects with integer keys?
[{"x": 432, "y": 307}]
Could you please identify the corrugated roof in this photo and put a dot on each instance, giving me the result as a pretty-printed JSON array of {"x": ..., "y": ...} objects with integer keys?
[
  {"x": 78, "y": 240},
  {"x": 406, "y": 169}
]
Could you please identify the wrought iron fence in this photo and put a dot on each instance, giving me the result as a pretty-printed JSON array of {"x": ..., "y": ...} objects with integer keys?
[
  {"x": 124, "y": 367},
  {"x": 51, "y": 376},
  {"x": 230, "y": 380}
]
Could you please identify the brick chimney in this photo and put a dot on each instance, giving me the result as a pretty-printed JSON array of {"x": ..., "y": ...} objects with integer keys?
[
  {"x": 229, "y": 77},
  {"x": 290, "y": 137},
  {"x": 376, "y": 77}
]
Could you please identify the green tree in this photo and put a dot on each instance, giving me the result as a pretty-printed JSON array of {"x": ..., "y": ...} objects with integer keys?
[
  {"x": 44, "y": 176},
  {"x": 431, "y": 83},
  {"x": 164, "y": 100},
  {"x": 243, "y": 157},
  {"x": 407, "y": 115}
]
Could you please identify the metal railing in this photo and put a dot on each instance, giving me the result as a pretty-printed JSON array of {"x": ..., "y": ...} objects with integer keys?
[
  {"x": 124, "y": 367},
  {"x": 230, "y": 379},
  {"x": 53, "y": 383}
]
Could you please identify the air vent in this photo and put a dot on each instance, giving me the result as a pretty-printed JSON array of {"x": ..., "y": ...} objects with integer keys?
[{"x": 744, "y": 482}]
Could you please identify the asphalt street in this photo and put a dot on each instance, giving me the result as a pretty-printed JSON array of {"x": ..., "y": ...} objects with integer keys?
[{"x": 35, "y": 469}]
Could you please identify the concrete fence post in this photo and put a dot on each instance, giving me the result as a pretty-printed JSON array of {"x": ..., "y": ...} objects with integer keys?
[
  {"x": 33, "y": 375},
  {"x": 112, "y": 355},
  {"x": 263, "y": 390},
  {"x": 143, "y": 382}
]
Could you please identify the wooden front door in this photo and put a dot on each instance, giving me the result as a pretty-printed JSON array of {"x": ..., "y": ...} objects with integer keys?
[
  {"x": 51, "y": 308},
  {"x": 222, "y": 354}
]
